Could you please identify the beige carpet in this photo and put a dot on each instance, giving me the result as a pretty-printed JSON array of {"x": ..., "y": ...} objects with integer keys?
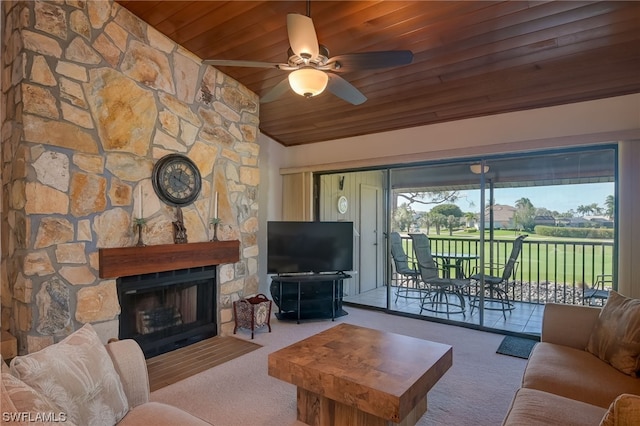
[
  {"x": 477, "y": 389},
  {"x": 177, "y": 365}
]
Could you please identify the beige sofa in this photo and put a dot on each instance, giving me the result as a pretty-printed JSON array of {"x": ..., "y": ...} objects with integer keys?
[
  {"x": 25, "y": 403},
  {"x": 563, "y": 383}
]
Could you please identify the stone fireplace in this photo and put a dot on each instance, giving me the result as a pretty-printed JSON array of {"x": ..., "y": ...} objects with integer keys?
[
  {"x": 167, "y": 293},
  {"x": 94, "y": 97},
  {"x": 168, "y": 310}
]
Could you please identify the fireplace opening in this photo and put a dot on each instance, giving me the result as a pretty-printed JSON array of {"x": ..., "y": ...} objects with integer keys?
[{"x": 164, "y": 311}]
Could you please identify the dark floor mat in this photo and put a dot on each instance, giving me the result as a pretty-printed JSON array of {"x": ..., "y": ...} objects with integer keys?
[{"x": 516, "y": 346}]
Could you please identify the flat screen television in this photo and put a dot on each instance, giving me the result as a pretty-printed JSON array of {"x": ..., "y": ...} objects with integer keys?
[{"x": 309, "y": 247}]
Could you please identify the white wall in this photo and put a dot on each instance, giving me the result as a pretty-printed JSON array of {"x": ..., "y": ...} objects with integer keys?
[
  {"x": 269, "y": 199},
  {"x": 605, "y": 120}
]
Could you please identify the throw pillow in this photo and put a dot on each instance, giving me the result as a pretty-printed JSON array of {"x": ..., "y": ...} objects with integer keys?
[
  {"x": 21, "y": 403},
  {"x": 623, "y": 411},
  {"x": 78, "y": 376},
  {"x": 616, "y": 336}
]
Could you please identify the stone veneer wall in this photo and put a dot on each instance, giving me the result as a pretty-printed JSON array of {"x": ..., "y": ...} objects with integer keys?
[{"x": 92, "y": 97}]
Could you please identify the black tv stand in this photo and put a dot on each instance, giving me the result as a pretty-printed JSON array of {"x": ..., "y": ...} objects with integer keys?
[{"x": 313, "y": 296}]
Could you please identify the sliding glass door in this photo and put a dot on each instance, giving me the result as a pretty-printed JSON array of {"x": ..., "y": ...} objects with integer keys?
[
  {"x": 484, "y": 242},
  {"x": 553, "y": 213},
  {"x": 434, "y": 210}
]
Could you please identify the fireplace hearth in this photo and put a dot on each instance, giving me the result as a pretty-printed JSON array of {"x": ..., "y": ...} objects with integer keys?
[{"x": 168, "y": 310}]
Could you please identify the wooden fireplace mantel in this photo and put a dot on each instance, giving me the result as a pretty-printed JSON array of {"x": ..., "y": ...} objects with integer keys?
[{"x": 125, "y": 261}]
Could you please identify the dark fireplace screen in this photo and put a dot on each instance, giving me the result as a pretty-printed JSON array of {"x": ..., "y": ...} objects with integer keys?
[{"x": 168, "y": 310}]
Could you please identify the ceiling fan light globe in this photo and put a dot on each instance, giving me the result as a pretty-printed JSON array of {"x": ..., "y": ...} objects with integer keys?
[
  {"x": 478, "y": 168},
  {"x": 308, "y": 82}
]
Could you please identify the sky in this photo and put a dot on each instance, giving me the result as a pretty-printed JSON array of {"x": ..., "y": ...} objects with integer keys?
[{"x": 560, "y": 198}]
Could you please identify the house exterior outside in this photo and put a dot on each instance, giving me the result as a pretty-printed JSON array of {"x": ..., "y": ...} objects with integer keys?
[
  {"x": 544, "y": 220},
  {"x": 503, "y": 216},
  {"x": 601, "y": 221},
  {"x": 574, "y": 222}
]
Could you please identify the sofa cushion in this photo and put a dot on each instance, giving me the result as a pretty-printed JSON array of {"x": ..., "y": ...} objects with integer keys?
[
  {"x": 22, "y": 404},
  {"x": 624, "y": 411},
  {"x": 576, "y": 374},
  {"x": 78, "y": 376},
  {"x": 128, "y": 360},
  {"x": 23, "y": 397},
  {"x": 533, "y": 407},
  {"x": 616, "y": 335},
  {"x": 158, "y": 414}
]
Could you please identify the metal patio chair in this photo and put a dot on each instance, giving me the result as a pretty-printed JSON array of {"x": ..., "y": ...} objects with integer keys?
[
  {"x": 496, "y": 287},
  {"x": 599, "y": 291},
  {"x": 446, "y": 293},
  {"x": 407, "y": 279}
]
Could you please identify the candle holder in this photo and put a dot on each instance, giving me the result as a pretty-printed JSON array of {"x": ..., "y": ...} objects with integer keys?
[
  {"x": 138, "y": 224},
  {"x": 213, "y": 223}
]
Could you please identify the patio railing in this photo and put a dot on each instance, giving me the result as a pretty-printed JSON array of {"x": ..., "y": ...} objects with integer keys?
[{"x": 547, "y": 271}]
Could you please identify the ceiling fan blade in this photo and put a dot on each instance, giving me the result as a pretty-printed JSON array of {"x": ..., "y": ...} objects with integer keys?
[
  {"x": 302, "y": 36},
  {"x": 371, "y": 60},
  {"x": 276, "y": 91},
  {"x": 344, "y": 90},
  {"x": 250, "y": 64}
]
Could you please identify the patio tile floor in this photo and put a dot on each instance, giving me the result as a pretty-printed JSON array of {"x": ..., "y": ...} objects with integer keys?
[{"x": 525, "y": 318}]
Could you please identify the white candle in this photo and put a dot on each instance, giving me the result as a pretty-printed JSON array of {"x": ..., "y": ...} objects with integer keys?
[
  {"x": 140, "y": 202},
  {"x": 215, "y": 206},
  {"x": 211, "y": 205}
]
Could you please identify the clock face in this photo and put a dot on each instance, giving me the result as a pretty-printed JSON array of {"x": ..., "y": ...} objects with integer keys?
[
  {"x": 343, "y": 204},
  {"x": 176, "y": 180}
]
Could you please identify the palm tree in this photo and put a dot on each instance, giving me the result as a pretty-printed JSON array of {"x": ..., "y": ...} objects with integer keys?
[
  {"x": 610, "y": 205},
  {"x": 402, "y": 217},
  {"x": 524, "y": 214},
  {"x": 439, "y": 220},
  {"x": 470, "y": 217},
  {"x": 595, "y": 208},
  {"x": 426, "y": 221},
  {"x": 524, "y": 203},
  {"x": 583, "y": 210},
  {"x": 452, "y": 222}
]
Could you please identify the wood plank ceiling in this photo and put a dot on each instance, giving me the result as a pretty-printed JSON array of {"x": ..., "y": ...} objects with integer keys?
[{"x": 471, "y": 58}]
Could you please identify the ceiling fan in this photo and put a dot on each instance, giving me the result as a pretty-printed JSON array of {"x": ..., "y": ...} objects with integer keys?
[{"x": 311, "y": 68}]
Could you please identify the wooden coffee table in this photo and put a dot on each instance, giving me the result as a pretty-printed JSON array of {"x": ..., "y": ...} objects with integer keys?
[{"x": 351, "y": 375}]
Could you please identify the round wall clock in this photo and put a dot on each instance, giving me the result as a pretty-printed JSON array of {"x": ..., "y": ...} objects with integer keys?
[
  {"x": 176, "y": 180},
  {"x": 343, "y": 204}
]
